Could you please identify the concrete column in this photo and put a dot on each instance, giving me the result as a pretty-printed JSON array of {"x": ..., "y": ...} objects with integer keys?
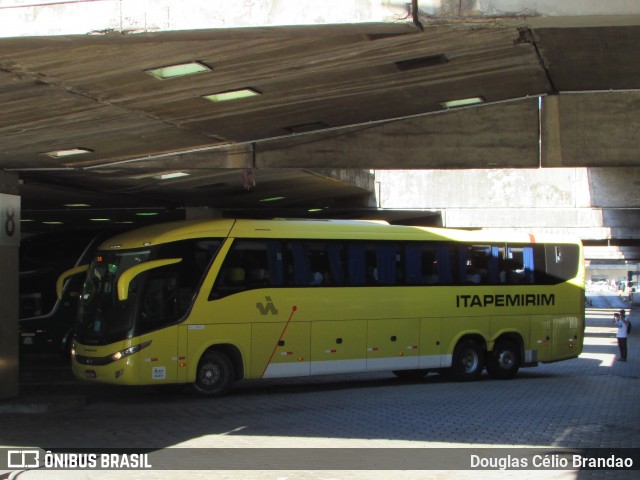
[{"x": 9, "y": 245}]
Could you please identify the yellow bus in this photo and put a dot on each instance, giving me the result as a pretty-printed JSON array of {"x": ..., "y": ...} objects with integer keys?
[{"x": 208, "y": 303}]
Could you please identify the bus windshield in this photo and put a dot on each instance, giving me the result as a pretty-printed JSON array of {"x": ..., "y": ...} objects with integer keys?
[
  {"x": 103, "y": 318},
  {"x": 156, "y": 298}
]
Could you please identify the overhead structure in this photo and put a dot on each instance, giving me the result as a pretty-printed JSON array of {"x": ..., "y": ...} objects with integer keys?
[{"x": 128, "y": 106}]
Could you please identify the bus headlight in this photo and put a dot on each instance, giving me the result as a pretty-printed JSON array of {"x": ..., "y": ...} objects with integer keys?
[{"x": 128, "y": 351}]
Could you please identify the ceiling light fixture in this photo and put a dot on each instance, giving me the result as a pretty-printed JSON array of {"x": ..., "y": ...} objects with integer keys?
[
  {"x": 76, "y": 205},
  {"x": 147, "y": 214},
  {"x": 170, "y": 175},
  {"x": 463, "y": 102},
  {"x": 68, "y": 152},
  {"x": 52, "y": 223},
  {"x": 272, "y": 199},
  {"x": 231, "y": 95},
  {"x": 100, "y": 219},
  {"x": 180, "y": 70}
]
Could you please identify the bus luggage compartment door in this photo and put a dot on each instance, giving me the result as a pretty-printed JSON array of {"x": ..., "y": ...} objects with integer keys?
[{"x": 393, "y": 344}]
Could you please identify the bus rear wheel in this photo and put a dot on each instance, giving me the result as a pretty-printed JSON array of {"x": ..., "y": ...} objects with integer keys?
[
  {"x": 468, "y": 361},
  {"x": 215, "y": 374},
  {"x": 504, "y": 362}
]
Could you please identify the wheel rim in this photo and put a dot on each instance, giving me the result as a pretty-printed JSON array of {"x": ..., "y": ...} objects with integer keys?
[
  {"x": 469, "y": 361},
  {"x": 506, "y": 360},
  {"x": 210, "y": 375}
]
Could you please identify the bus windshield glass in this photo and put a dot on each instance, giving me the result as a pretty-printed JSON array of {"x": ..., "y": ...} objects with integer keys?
[
  {"x": 156, "y": 298},
  {"x": 103, "y": 318}
]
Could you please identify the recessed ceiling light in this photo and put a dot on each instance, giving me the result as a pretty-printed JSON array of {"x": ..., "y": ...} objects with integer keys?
[
  {"x": 27, "y": 220},
  {"x": 52, "y": 223},
  {"x": 463, "y": 102},
  {"x": 77, "y": 205},
  {"x": 67, "y": 153},
  {"x": 147, "y": 214},
  {"x": 167, "y": 176},
  {"x": 231, "y": 95},
  {"x": 180, "y": 70},
  {"x": 100, "y": 219},
  {"x": 272, "y": 199},
  {"x": 422, "y": 62}
]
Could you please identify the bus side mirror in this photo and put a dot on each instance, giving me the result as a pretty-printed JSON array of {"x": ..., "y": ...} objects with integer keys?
[
  {"x": 127, "y": 276},
  {"x": 66, "y": 274}
]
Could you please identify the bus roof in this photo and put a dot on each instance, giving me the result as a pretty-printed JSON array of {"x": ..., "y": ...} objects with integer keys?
[{"x": 301, "y": 229}]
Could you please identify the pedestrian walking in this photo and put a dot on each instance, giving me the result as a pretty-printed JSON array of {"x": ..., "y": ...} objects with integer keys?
[{"x": 621, "y": 335}]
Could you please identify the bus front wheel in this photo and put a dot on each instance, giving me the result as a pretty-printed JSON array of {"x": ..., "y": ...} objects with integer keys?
[
  {"x": 215, "y": 374},
  {"x": 468, "y": 361},
  {"x": 503, "y": 363}
]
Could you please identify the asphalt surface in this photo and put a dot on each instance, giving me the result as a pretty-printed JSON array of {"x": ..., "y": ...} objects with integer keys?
[{"x": 588, "y": 402}]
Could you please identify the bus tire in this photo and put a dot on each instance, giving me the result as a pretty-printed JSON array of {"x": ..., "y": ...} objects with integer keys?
[
  {"x": 416, "y": 374},
  {"x": 215, "y": 374},
  {"x": 503, "y": 362},
  {"x": 468, "y": 361}
]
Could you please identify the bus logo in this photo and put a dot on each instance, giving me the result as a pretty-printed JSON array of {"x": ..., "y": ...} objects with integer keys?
[{"x": 270, "y": 307}]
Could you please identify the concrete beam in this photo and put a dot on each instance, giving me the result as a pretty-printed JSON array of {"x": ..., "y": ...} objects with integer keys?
[
  {"x": 71, "y": 17},
  {"x": 594, "y": 204},
  {"x": 492, "y": 136},
  {"x": 525, "y": 8},
  {"x": 596, "y": 129},
  {"x": 81, "y": 17},
  {"x": 566, "y": 188}
]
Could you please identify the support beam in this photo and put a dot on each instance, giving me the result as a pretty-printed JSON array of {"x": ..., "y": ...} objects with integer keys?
[
  {"x": 591, "y": 129},
  {"x": 491, "y": 136}
]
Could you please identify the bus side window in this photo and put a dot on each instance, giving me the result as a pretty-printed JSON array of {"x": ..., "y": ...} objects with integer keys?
[
  {"x": 387, "y": 259},
  {"x": 232, "y": 277},
  {"x": 356, "y": 264},
  {"x": 319, "y": 262},
  {"x": 520, "y": 265},
  {"x": 250, "y": 264},
  {"x": 336, "y": 262},
  {"x": 561, "y": 262}
]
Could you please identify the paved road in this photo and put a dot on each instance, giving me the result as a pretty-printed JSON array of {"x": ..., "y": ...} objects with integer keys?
[{"x": 589, "y": 402}]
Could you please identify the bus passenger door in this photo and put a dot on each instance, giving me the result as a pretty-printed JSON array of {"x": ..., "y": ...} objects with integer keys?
[
  {"x": 157, "y": 322},
  {"x": 338, "y": 346},
  {"x": 393, "y": 344}
]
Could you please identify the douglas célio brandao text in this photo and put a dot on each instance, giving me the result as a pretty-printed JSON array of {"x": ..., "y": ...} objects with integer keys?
[{"x": 549, "y": 461}]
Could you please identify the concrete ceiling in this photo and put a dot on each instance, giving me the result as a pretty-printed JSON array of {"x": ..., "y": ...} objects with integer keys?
[{"x": 332, "y": 98}]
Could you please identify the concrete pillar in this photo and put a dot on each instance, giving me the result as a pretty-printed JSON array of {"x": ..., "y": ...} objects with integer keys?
[{"x": 9, "y": 245}]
